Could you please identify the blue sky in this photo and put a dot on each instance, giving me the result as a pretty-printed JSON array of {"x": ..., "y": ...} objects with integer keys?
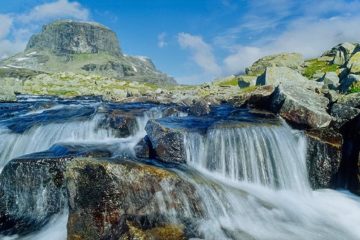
[{"x": 195, "y": 40}]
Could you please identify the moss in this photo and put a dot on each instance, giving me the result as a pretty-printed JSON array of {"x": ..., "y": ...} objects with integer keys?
[
  {"x": 316, "y": 65},
  {"x": 355, "y": 87},
  {"x": 228, "y": 82},
  {"x": 249, "y": 89}
]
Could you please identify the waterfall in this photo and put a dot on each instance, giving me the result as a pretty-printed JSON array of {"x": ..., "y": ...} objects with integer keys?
[
  {"x": 252, "y": 182},
  {"x": 268, "y": 155},
  {"x": 42, "y": 137}
]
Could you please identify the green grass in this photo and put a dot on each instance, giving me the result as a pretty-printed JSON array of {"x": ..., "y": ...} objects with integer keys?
[
  {"x": 249, "y": 89},
  {"x": 315, "y": 65},
  {"x": 355, "y": 87},
  {"x": 228, "y": 82}
]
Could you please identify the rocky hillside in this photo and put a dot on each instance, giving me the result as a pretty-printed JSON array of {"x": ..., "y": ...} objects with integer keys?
[{"x": 82, "y": 48}]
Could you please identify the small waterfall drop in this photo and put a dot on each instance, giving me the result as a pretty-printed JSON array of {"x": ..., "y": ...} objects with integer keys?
[
  {"x": 267, "y": 155},
  {"x": 42, "y": 137}
]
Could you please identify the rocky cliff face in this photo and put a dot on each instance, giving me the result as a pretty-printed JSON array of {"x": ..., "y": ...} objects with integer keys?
[
  {"x": 68, "y": 37},
  {"x": 82, "y": 48}
]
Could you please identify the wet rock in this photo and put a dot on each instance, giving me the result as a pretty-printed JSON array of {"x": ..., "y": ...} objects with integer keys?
[
  {"x": 290, "y": 60},
  {"x": 167, "y": 142},
  {"x": 261, "y": 97},
  {"x": 200, "y": 108},
  {"x": 33, "y": 187},
  {"x": 144, "y": 149},
  {"x": 126, "y": 200},
  {"x": 31, "y": 191},
  {"x": 123, "y": 123},
  {"x": 324, "y": 154}
]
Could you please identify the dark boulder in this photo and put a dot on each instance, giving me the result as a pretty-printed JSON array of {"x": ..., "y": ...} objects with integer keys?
[
  {"x": 126, "y": 200},
  {"x": 33, "y": 187},
  {"x": 324, "y": 155},
  {"x": 200, "y": 108},
  {"x": 167, "y": 142}
]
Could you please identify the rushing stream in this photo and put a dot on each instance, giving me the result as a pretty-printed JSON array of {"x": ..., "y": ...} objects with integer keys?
[{"x": 251, "y": 178}]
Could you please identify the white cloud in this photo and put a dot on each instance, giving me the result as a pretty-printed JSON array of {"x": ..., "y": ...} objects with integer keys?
[
  {"x": 202, "y": 53},
  {"x": 57, "y": 9},
  {"x": 287, "y": 26},
  {"x": 16, "y": 29},
  {"x": 6, "y": 23},
  {"x": 162, "y": 40}
]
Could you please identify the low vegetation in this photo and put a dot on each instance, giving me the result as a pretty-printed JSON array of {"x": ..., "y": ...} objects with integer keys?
[{"x": 315, "y": 65}]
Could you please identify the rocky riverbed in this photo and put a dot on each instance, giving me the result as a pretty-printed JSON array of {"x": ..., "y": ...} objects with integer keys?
[
  {"x": 96, "y": 144},
  {"x": 90, "y": 169}
]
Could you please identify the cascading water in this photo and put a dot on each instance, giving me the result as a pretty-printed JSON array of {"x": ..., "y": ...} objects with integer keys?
[
  {"x": 253, "y": 185},
  {"x": 42, "y": 137},
  {"x": 37, "y": 202},
  {"x": 272, "y": 155}
]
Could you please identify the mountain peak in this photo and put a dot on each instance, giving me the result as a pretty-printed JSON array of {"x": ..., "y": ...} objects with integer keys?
[{"x": 70, "y": 37}]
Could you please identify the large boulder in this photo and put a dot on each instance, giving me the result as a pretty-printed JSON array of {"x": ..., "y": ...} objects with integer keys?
[
  {"x": 290, "y": 60},
  {"x": 330, "y": 80},
  {"x": 324, "y": 155},
  {"x": 341, "y": 53},
  {"x": 343, "y": 114},
  {"x": 296, "y": 98},
  {"x": 277, "y": 75},
  {"x": 351, "y": 100},
  {"x": 354, "y": 63},
  {"x": 126, "y": 200},
  {"x": 167, "y": 142},
  {"x": 33, "y": 187}
]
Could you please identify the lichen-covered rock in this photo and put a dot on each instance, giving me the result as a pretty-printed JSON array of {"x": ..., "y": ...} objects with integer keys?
[
  {"x": 343, "y": 114},
  {"x": 127, "y": 200},
  {"x": 290, "y": 60},
  {"x": 324, "y": 155},
  {"x": 167, "y": 142},
  {"x": 245, "y": 81},
  {"x": 341, "y": 53},
  {"x": 68, "y": 37},
  {"x": 277, "y": 75},
  {"x": 295, "y": 98},
  {"x": 351, "y": 100},
  {"x": 354, "y": 63},
  {"x": 124, "y": 124}
]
